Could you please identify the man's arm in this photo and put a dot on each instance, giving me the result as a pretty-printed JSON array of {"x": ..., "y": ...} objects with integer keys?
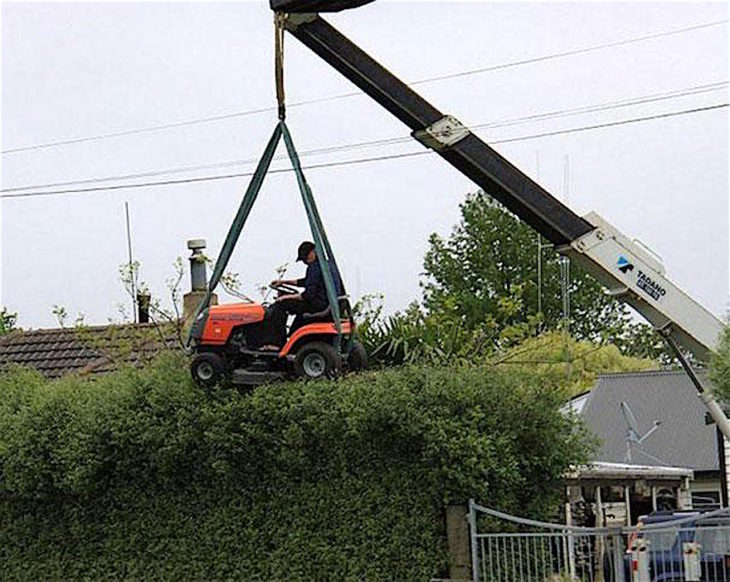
[
  {"x": 289, "y": 297},
  {"x": 295, "y": 282},
  {"x": 295, "y": 296}
]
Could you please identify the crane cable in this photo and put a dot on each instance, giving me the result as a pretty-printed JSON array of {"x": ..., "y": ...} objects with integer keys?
[{"x": 279, "y": 63}]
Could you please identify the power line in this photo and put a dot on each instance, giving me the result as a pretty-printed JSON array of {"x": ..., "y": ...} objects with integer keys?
[
  {"x": 210, "y": 178},
  {"x": 361, "y": 160},
  {"x": 471, "y": 72},
  {"x": 595, "y": 108},
  {"x": 574, "y": 52},
  {"x": 614, "y": 123}
]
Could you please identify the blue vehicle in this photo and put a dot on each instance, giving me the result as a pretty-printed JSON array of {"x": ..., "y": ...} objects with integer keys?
[{"x": 665, "y": 546}]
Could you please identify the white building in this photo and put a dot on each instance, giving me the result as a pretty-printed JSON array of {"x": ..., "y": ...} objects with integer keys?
[{"x": 683, "y": 445}]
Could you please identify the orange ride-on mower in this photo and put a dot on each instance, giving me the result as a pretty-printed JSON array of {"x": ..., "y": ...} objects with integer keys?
[{"x": 226, "y": 341}]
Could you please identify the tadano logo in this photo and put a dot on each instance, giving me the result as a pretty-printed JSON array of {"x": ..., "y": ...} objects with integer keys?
[
  {"x": 643, "y": 281},
  {"x": 624, "y": 265}
]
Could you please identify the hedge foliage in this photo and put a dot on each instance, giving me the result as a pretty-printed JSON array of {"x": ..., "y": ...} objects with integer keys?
[{"x": 139, "y": 475}]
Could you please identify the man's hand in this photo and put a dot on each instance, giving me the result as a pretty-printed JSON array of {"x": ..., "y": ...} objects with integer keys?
[
  {"x": 278, "y": 282},
  {"x": 295, "y": 296}
]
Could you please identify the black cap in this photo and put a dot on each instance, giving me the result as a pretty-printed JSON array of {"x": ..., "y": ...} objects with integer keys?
[{"x": 304, "y": 249}]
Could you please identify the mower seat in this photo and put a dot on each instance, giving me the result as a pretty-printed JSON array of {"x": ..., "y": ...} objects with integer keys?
[{"x": 326, "y": 314}]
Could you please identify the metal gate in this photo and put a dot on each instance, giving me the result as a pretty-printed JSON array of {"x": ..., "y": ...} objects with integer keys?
[{"x": 505, "y": 548}]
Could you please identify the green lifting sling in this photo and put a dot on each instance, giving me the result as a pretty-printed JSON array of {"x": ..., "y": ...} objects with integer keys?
[{"x": 325, "y": 256}]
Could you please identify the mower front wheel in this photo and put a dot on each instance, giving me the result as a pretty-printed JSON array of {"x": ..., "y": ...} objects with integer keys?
[
  {"x": 207, "y": 369},
  {"x": 317, "y": 360}
]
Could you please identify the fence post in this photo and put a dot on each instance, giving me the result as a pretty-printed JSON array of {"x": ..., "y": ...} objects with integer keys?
[
  {"x": 473, "y": 539},
  {"x": 457, "y": 537},
  {"x": 617, "y": 557}
]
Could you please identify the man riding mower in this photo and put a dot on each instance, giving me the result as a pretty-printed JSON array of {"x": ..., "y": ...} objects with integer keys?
[{"x": 247, "y": 343}]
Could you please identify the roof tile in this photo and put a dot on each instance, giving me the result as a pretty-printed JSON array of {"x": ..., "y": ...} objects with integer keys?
[
  {"x": 55, "y": 352},
  {"x": 682, "y": 440}
]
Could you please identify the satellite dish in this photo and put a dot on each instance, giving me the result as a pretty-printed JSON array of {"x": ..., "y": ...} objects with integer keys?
[
  {"x": 632, "y": 427},
  {"x": 633, "y": 436}
]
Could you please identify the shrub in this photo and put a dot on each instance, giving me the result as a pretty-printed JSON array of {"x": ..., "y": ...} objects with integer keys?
[{"x": 140, "y": 475}]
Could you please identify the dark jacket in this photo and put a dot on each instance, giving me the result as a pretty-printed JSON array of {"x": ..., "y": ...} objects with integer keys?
[{"x": 315, "y": 292}]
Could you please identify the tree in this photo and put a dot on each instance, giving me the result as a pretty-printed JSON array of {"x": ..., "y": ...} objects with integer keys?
[
  {"x": 7, "y": 321},
  {"x": 491, "y": 257},
  {"x": 720, "y": 367},
  {"x": 480, "y": 298},
  {"x": 642, "y": 341},
  {"x": 561, "y": 360}
]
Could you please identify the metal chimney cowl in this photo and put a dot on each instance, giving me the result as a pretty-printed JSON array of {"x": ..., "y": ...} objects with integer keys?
[
  {"x": 198, "y": 274},
  {"x": 198, "y": 279}
]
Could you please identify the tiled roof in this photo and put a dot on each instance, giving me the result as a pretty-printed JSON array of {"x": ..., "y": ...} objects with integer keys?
[
  {"x": 85, "y": 350},
  {"x": 682, "y": 440}
]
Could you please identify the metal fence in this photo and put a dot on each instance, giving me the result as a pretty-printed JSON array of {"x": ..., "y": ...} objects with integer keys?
[{"x": 505, "y": 548}]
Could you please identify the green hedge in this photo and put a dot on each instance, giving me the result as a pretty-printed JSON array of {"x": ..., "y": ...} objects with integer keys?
[{"x": 139, "y": 475}]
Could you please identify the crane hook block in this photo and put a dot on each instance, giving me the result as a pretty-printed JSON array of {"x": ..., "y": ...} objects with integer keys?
[{"x": 294, "y": 6}]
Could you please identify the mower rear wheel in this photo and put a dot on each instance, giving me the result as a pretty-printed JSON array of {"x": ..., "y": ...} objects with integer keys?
[
  {"x": 358, "y": 358},
  {"x": 207, "y": 369},
  {"x": 317, "y": 360}
]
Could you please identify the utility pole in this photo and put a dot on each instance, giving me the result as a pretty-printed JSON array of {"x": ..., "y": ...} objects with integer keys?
[{"x": 539, "y": 245}]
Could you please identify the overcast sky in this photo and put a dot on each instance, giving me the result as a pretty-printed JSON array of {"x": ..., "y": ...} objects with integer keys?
[{"x": 72, "y": 70}]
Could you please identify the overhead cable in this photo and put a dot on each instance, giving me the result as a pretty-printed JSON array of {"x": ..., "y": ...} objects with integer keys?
[
  {"x": 448, "y": 76},
  {"x": 360, "y": 160},
  {"x": 596, "y": 108}
]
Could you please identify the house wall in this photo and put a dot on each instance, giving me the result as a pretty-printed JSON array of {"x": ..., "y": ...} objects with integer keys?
[
  {"x": 614, "y": 513},
  {"x": 612, "y": 510}
]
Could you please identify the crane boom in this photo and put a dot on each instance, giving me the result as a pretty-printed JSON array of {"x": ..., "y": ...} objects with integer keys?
[
  {"x": 629, "y": 270},
  {"x": 443, "y": 133}
]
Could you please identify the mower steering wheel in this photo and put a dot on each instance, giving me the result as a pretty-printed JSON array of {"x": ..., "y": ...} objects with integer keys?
[{"x": 284, "y": 289}]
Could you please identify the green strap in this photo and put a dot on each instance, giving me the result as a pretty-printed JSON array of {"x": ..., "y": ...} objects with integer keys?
[
  {"x": 331, "y": 259},
  {"x": 320, "y": 242},
  {"x": 325, "y": 240},
  {"x": 325, "y": 256},
  {"x": 240, "y": 219}
]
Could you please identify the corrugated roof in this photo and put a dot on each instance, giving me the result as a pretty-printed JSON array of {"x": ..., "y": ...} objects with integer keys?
[
  {"x": 86, "y": 350},
  {"x": 602, "y": 470},
  {"x": 682, "y": 440}
]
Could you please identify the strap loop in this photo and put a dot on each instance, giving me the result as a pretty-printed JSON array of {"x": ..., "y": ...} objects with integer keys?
[{"x": 279, "y": 62}]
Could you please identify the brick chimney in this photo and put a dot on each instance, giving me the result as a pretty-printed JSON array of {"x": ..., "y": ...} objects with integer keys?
[{"x": 198, "y": 280}]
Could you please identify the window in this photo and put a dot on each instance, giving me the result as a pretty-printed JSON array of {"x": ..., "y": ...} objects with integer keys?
[{"x": 705, "y": 499}]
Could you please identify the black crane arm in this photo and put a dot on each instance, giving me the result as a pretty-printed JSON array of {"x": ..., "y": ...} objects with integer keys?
[{"x": 452, "y": 141}]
